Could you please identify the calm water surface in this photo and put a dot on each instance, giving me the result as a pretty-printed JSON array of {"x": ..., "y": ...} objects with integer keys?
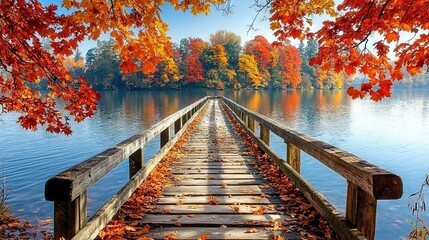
[{"x": 392, "y": 134}]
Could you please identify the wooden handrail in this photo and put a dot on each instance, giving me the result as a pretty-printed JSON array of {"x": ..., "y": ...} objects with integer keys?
[
  {"x": 68, "y": 189},
  {"x": 367, "y": 183}
]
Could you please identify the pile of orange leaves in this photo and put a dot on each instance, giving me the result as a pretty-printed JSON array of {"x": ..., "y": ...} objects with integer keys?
[
  {"x": 14, "y": 228},
  {"x": 312, "y": 224}
]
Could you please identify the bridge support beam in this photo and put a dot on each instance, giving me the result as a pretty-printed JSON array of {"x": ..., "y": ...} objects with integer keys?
[
  {"x": 136, "y": 161},
  {"x": 361, "y": 210},
  {"x": 251, "y": 123},
  {"x": 177, "y": 125},
  {"x": 293, "y": 157},
  {"x": 265, "y": 134},
  {"x": 69, "y": 217},
  {"x": 165, "y": 136}
]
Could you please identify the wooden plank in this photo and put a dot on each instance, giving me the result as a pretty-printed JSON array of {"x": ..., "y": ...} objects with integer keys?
[
  {"x": 218, "y": 155},
  {"x": 243, "y": 176},
  {"x": 216, "y": 190},
  {"x": 217, "y": 219},
  {"x": 196, "y": 161},
  {"x": 214, "y": 209},
  {"x": 215, "y": 233},
  {"x": 214, "y": 171},
  {"x": 223, "y": 200},
  {"x": 212, "y": 164},
  {"x": 219, "y": 182},
  {"x": 215, "y": 166}
]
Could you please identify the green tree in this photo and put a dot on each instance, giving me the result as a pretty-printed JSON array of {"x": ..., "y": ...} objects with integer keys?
[{"x": 103, "y": 66}]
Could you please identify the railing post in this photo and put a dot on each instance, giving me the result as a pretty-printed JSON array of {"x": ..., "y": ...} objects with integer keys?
[
  {"x": 136, "y": 161},
  {"x": 69, "y": 217},
  {"x": 265, "y": 134},
  {"x": 293, "y": 157},
  {"x": 361, "y": 210},
  {"x": 165, "y": 136},
  {"x": 184, "y": 118},
  {"x": 244, "y": 118},
  {"x": 251, "y": 123},
  {"x": 177, "y": 125}
]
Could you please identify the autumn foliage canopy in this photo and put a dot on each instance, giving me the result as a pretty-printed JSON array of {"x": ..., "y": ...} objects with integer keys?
[{"x": 378, "y": 38}]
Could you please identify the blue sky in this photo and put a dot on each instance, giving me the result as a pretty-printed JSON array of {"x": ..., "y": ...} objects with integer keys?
[{"x": 183, "y": 25}]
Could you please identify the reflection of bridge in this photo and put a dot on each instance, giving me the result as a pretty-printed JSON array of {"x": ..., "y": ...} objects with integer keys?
[{"x": 215, "y": 187}]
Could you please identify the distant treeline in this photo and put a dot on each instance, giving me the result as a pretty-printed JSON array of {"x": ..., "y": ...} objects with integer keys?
[{"x": 220, "y": 63}]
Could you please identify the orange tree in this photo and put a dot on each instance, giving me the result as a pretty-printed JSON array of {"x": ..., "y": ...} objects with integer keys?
[
  {"x": 378, "y": 38},
  {"x": 360, "y": 39},
  {"x": 136, "y": 26}
]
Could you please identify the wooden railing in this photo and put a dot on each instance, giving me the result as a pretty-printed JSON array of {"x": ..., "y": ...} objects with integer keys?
[
  {"x": 366, "y": 183},
  {"x": 68, "y": 189}
]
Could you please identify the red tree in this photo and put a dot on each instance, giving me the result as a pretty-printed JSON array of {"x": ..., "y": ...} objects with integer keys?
[{"x": 194, "y": 72}]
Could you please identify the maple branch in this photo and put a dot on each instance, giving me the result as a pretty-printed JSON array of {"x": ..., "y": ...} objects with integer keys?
[
  {"x": 382, "y": 9},
  {"x": 226, "y": 8}
]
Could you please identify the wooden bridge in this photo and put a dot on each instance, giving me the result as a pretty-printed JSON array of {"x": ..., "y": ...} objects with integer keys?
[{"x": 217, "y": 168}]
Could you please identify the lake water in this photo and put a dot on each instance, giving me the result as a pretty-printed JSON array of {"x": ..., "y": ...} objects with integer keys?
[{"x": 393, "y": 134}]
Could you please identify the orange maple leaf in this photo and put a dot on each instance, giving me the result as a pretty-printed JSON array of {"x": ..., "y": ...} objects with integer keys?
[
  {"x": 203, "y": 236},
  {"x": 252, "y": 230}
]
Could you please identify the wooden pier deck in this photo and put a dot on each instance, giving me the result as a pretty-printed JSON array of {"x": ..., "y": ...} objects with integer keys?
[{"x": 216, "y": 190}]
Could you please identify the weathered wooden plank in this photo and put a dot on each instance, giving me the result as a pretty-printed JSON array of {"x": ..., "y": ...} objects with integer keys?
[
  {"x": 211, "y": 182},
  {"x": 222, "y": 200},
  {"x": 218, "y": 155},
  {"x": 213, "y": 171},
  {"x": 216, "y": 219},
  {"x": 216, "y": 233},
  {"x": 217, "y": 176},
  {"x": 216, "y": 190},
  {"x": 198, "y": 161},
  {"x": 213, "y": 164},
  {"x": 215, "y": 209}
]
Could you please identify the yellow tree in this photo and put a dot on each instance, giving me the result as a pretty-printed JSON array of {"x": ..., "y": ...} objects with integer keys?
[{"x": 248, "y": 73}]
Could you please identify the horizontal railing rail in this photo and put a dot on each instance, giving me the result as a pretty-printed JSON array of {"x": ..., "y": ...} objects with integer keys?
[
  {"x": 68, "y": 190},
  {"x": 366, "y": 183}
]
